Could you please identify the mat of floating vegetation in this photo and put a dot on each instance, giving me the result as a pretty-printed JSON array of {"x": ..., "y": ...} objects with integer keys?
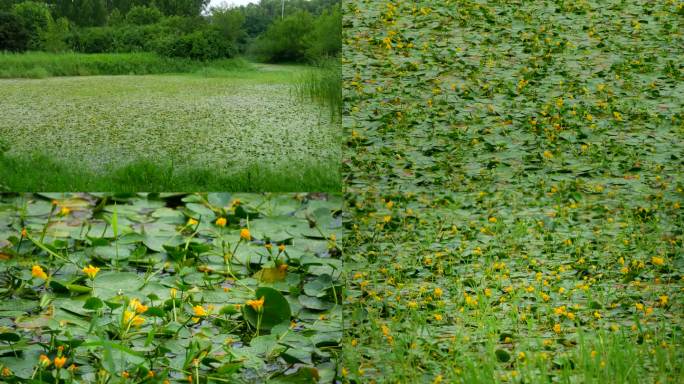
[{"x": 178, "y": 287}]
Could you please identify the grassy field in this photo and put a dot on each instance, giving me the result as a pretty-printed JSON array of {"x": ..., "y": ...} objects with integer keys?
[
  {"x": 173, "y": 288},
  {"x": 515, "y": 187},
  {"x": 243, "y": 126}
]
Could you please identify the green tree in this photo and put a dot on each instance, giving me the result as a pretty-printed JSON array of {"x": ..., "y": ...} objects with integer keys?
[
  {"x": 143, "y": 15},
  {"x": 285, "y": 39},
  {"x": 230, "y": 23},
  {"x": 35, "y": 17},
  {"x": 325, "y": 38},
  {"x": 13, "y": 36},
  {"x": 181, "y": 7},
  {"x": 54, "y": 37}
]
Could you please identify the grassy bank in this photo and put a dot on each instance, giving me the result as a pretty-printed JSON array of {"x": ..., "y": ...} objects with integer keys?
[
  {"x": 43, "y": 173},
  {"x": 38, "y": 65}
]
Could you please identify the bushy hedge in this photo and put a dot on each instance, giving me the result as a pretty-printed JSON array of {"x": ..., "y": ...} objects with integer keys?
[
  {"x": 93, "y": 40},
  {"x": 207, "y": 44}
]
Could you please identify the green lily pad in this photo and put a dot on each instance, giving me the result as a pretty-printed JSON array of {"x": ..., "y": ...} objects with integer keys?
[{"x": 276, "y": 309}]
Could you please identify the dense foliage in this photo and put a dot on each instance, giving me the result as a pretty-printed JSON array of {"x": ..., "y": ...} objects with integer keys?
[
  {"x": 514, "y": 186},
  {"x": 302, "y": 30}
]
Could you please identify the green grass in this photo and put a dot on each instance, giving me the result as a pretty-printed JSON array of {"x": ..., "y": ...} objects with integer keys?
[
  {"x": 42, "y": 173},
  {"x": 39, "y": 65},
  {"x": 323, "y": 85}
]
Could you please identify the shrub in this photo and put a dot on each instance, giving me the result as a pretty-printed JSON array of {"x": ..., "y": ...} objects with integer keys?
[
  {"x": 142, "y": 15},
  {"x": 93, "y": 40},
  {"x": 206, "y": 44},
  {"x": 182, "y": 25},
  {"x": 13, "y": 36},
  {"x": 137, "y": 38}
]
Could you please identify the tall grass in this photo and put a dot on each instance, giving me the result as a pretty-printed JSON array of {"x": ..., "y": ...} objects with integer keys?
[
  {"x": 322, "y": 84},
  {"x": 42, "y": 173},
  {"x": 41, "y": 65}
]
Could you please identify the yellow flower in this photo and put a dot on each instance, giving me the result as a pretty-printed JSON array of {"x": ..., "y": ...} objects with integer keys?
[
  {"x": 617, "y": 115},
  {"x": 138, "y": 306},
  {"x": 657, "y": 260},
  {"x": 6, "y": 371},
  {"x": 128, "y": 316},
  {"x": 44, "y": 361},
  {"x": 244, "y": 234},
  {"x": 281, "y": 248},
  {"x": 221, "y": 221},
  {"x": 548, "y": 155},
  {"x": 192, "y": 222},
  {"x": 438, "y": 292},
  {"x": 492, "y": 219},
  {"x": 521, "y": 355},
  {"x": 557, "y": 328},
  {"x": 438, "y": 317},
  {"x": 64, "y": 211},
  {"x": 257, "y": 305},
  {"x": 60, "y": 361},
  {"x": 199, "y": 311},
  {"x": 138, "y": 321},
  {"x": 174, "y": 291},
  {"x": 24, "y": 232},
  {"x": 37, "y": 271},
  {"x": 91, "y": 271},
  {"x": 663, "y": 300}
]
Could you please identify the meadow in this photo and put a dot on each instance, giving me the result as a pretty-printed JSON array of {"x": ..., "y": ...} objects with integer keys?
[
  {"x": 222, "y": 125},
  {"x": 514, "y": 185},
  {"x": 172, "y": 288}
]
